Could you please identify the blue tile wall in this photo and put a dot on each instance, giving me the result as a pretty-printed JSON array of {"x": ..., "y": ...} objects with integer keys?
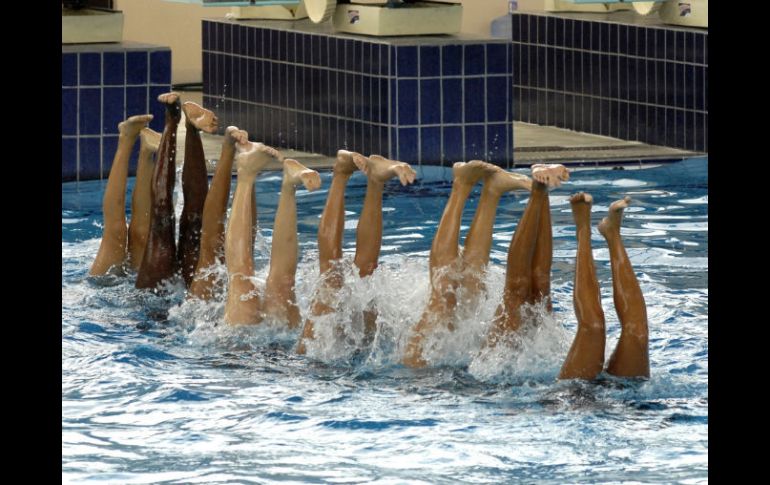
[
  {"x": 308, "y": 90},
  {"x": 69, "y": 157},
  {"x": 109, "y": 146},
  {"x": 90, "y": 158},
  {"x": 90, "y": 119},
  {"x": 474, "y": 140},
  {"x": 69, "y": 112},
  {"x": 452, "y": 137},
  {"x": 114, "y": 108},
  {"x": 136, "y": 67},
  {"x": 69, "y": 70},
  {"x": 103, "y": 84},
  {"x": 90, "y": 69},
  {"x": 114, "y": 68},
  {"x": 638, "y": 82}
]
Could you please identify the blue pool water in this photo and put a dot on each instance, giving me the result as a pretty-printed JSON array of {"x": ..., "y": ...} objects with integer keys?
[{"x": 153, "y": 391}]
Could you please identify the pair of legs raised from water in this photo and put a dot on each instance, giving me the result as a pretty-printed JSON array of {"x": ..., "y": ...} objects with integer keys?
[
  {"x": 162, "y": 256},
  {"x": 378, "y": 170},
  {"x": 120, "y": 246},
  {"x": 214, "y": 216},
  {"x": 245, "y": 305},
  {"x": 529, "y": 257},
  {"x": 585, "y": 359}
]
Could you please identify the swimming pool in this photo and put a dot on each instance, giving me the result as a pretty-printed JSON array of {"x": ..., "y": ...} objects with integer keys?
[{"x": 154, "y": 392}]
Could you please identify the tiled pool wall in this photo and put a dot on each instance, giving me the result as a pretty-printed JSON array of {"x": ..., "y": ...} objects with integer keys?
[
  {"x": 433, "y": 100},
  {"x": 632, "y": 81},
  {"x": 103, "y": 84}
]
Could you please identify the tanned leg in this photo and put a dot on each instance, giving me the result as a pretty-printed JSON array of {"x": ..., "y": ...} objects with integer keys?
[
  {"x": 631, "y": 356},
  {"x": 378, "y": 170},
  {"x": 159, "y": 260},
  {"x": 280, "y": 299},
  {"x": 542, "y": 259},
  {"x": 518, "y": 275},
  {"x": 330, "y": 231},
  {"x": 478, "y": 243},
  {"x": 141, "y": 199},
  {"x": 194, "y": 187},
  {"x": 243, "y": 306},
  {"x": 214, "y": 216},
  {"x": 586, "y": 356},
  {"x": 112, "y": 249},
  {"x": 443, "y": 254},
  {"x": 253, "y": 216}
]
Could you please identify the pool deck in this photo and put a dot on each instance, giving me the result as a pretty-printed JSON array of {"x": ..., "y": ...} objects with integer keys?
[{"x": 533, "y": 144}]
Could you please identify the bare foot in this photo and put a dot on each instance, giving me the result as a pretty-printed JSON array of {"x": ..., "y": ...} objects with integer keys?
[
  {"x": 551, "y": 175},
  {"x": 149, "y": 139},
  {"x": 471, "y": 172},
  {"x": 169, "y": 98},
  {"x": 499, "y": 181},
  {"x": 252, "y": 157},
  {"x": 581, "y": 208},
  {"x": 295, "y": 173},
  {"x": 345, "y": 164},
  {"x": 133, "y": 125},
  {"x": 610, "y": 225},
  {"x": 235, "y": 136},
  {"x": 383, "y": 169},
  {"x": 200, "y": 117}
]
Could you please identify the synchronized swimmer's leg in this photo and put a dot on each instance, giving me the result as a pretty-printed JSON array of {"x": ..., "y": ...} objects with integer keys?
[
  {"x": 586, "y": 356},
  {"x": 518, "y": 275},
  {"x": 141, "y": 199},
  {"x": 631, "y": 356},
  {"x": 159, "y": 260},
  {"x": 478, "y": 242},
  {"x": 542, "y": 259},
  {"x": 378, "y": 170},
  {"x": 280, "y": 300},
  {"x": 330, "y": 231},
  {"x": 215, "y": 215},
  {"x": 195, "y": 185},
  {"x": 112, "y": 253},
  {"x": 443, "y": 254},
  {"x": 244, "y": 305}
]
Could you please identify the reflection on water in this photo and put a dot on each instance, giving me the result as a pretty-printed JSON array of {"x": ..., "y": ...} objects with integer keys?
[{"x": 157, "y": 390}]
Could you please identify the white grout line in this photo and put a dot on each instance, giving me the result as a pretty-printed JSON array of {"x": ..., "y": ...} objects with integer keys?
[
  {"x": 462, "y": 99},
  {"x": 345, "y": 71},
  {"x": 485, "y": 84},
  {"x": 419, "y": 110},
  {"x": 101, "y": 116},
  {"x": 77, "y": 119},
  {"x": 442, "y": 152}
]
